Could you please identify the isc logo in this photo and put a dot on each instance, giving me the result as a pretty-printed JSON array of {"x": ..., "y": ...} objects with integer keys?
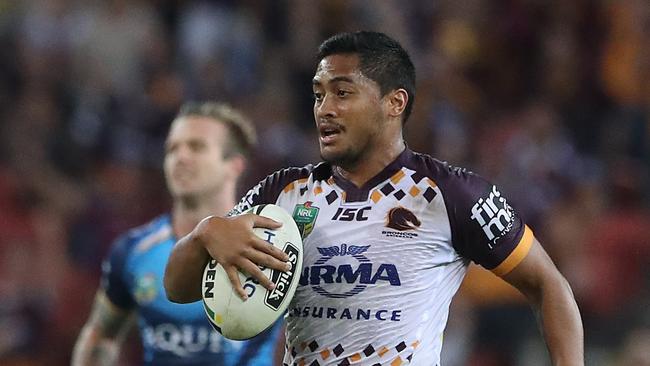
[
  {"x": 351, "y": 214},
  {"x": 493, "y": 214}
]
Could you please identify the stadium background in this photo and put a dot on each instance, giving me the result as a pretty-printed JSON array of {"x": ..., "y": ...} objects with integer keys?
[{"x": 550, "y": 99}]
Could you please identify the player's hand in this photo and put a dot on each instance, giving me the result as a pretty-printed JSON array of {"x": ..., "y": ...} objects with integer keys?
[{"x": 233, "y": 244}]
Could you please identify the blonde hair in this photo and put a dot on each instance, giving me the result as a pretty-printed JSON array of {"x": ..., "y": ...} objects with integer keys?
[{"x": 242, "y": 137}]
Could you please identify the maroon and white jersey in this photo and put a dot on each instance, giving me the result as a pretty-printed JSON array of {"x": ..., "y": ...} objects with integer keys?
[{"x": 383, "y": 261}]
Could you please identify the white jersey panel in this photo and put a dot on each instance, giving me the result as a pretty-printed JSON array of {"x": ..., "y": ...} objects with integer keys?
[
  {"x": 378, "y": 275},
  {"x": 383, "y": 261}
]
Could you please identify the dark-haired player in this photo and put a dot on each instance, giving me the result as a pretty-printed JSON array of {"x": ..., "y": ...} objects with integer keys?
[{"x": 388, "y": 232}]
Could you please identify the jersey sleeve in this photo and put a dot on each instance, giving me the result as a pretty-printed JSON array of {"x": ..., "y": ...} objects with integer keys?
[
  {"x": 268, "y": 190},
  {"x": 485, "y": 228},
  {"x": 113, "y": 275}
]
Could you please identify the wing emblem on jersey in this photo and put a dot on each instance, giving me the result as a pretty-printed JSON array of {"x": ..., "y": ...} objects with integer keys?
[
  {"x": 355, "y": 251},
  {"x": 329, "y": 251}
]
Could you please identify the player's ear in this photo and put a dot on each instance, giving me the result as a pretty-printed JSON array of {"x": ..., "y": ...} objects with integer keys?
[
  {"x": 237, "y": 164},
  {"x": 396, "y": 101}
]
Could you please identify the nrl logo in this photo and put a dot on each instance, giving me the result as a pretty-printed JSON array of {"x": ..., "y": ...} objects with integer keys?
[
  {"x": 145, "y": 288},
  {"x": 305, "y": 217}
]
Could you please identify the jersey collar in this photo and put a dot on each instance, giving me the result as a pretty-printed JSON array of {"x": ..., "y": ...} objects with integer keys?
[{"x": 360, "y": 194}]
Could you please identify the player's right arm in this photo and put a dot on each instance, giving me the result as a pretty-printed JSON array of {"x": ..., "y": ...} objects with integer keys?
[
  {"x": 101, "y": 337},
  {"x": 232, "y": 242}
]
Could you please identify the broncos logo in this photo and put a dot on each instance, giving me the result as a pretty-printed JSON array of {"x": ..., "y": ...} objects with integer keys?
[{"x": 402, "y": 219}]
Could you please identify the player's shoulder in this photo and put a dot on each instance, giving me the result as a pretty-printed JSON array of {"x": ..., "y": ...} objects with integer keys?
[
  {"x": 143, "y": 237},
  {"x": 441, "y": 172},
  {"x": 318, "y": 171},
  {"x": 269, "y": 189}
]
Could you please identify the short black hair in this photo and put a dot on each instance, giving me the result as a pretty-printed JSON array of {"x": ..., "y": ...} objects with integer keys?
[
  {"x": 242, "y": 136},
  {"x": 382, "y": 59}
]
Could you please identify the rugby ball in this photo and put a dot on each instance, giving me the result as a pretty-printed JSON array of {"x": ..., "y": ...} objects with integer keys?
[{"x": 236, "y": 319}]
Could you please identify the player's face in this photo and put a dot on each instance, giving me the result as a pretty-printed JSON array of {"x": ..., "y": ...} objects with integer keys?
[
  {"x": 348, "y": 109},
  {"x": 194, "y": 161}
]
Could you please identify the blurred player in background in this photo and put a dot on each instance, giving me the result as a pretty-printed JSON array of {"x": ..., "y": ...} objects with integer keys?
[
  {"x": 388, "y": 233},
  {"x": 205, "y": 154}
]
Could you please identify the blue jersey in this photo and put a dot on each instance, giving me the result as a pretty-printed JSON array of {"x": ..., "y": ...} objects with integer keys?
[{"x": 172, "y": 334}]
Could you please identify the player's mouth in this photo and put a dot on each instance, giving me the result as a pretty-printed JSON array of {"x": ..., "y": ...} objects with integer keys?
[
  {"x": 183, "y": 175},
  {"x": 329, "y": 132}
]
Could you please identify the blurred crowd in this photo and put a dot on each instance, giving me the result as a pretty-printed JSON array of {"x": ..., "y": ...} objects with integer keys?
[{"x": 550, "y": 99}]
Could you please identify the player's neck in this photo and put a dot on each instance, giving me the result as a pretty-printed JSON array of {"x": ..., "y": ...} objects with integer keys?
[
  {"x": 187, "y": 212},
  {"x": 372, "y": 163}
]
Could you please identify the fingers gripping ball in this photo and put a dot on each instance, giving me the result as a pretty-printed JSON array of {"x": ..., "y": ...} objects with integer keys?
[{"x": 236, "y": 319}]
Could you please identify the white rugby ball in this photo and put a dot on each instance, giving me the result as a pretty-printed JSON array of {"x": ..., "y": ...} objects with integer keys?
[{"x": 237, "y": 319}]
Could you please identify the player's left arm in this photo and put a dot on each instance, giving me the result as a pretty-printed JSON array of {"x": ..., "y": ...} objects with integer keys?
[
  {"x": 552, "y": 300},
  {"x": 278, "y": 352},
  {"x": 101, "y": 338},
  {"x": 490, "y": 232}
]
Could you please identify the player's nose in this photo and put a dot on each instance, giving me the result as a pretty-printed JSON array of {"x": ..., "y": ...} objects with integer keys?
[
  {"x": 326, "y": 109},
  {"x": 183, "y": 154}
]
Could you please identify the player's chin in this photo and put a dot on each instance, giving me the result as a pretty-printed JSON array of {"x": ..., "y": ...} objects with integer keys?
[
  {"x": 183, "y": 190},
  {"x": 344, "y": 159},
  {"x": 330, "y": 154}
]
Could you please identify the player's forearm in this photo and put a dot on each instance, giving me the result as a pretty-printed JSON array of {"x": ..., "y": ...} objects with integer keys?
[
  {"x": 101, "y": 337},
  {"x": 561, "y": 323},
  {"x": 91, "y": 349},
  {"x": 185, "y": 269}
]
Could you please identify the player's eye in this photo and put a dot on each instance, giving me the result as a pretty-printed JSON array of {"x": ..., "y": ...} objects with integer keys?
[
  {"x": 197, "y": 146},
  {"x": 318, "y": 96},
  {"x": 342, "y": 93}
]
